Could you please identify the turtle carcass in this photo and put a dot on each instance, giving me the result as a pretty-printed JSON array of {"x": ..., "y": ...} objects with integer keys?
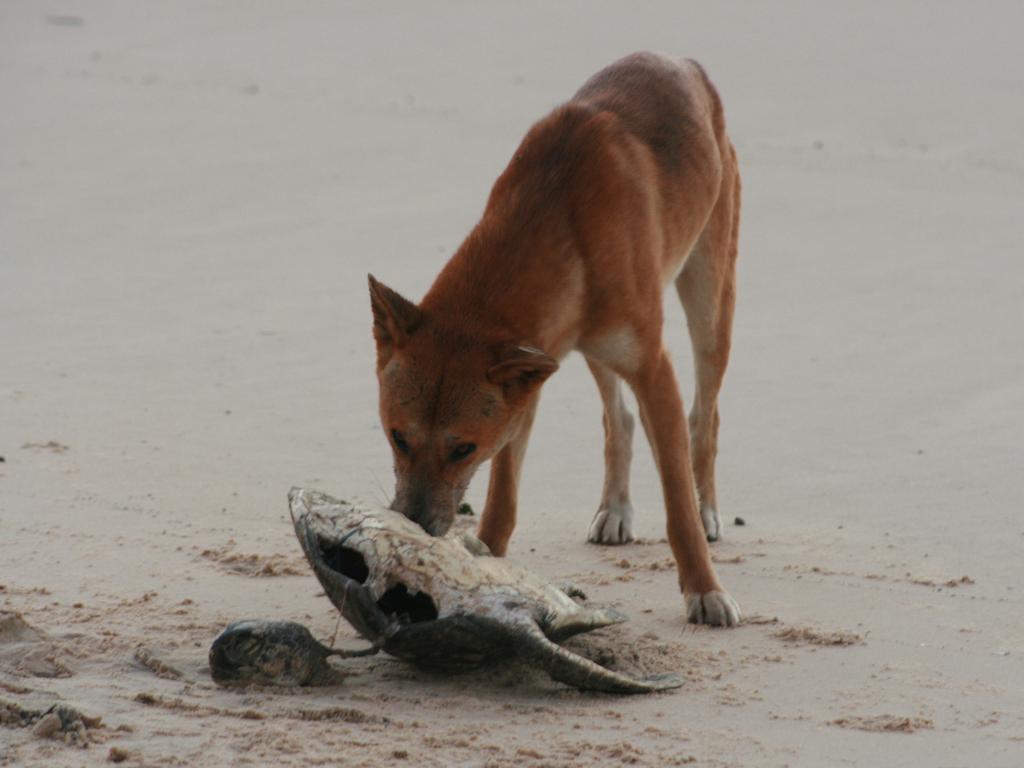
[{"x": 445, "y": 602}]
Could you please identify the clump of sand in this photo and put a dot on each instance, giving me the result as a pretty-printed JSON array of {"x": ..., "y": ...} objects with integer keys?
[
  {"x": 252, "y": 564},
  {"x": 50, "y": 445},
  {"x": 622, "y": 649},
  {"x": 26, "y": 651},
  {"x": 60, "y": 721},
  {"x": 146, "y": 658},
  {"x": 884, "y": 723},
  {"x": 808, "y": 636}
]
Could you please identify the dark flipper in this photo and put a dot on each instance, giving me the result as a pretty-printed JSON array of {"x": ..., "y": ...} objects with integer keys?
[
  {"x": 579, "y": 672},
  {"x": 372, "y": 650}
]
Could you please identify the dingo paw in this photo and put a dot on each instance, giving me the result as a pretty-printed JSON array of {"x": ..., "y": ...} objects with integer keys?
[
  {"x": 474, "y": 545},
  {"x": 716, "y": 608},
  {"x": 712, "y": 522},
  {"x": 613, "y": 524}
]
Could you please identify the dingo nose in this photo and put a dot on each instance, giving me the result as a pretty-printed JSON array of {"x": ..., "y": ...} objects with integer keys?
[{"x": 417, "y": 509}]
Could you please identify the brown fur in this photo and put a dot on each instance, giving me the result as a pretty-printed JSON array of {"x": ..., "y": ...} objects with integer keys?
[{"x": 630, "y": 185}]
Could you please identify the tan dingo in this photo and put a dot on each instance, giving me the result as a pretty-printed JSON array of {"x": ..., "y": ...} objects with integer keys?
[{"x": 629, "y": 186}]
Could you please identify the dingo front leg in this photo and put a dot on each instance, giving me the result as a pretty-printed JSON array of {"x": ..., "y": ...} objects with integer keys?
[
  {"x": 499, "y": 516},
  {"x": 613, "y": 522},
  {"x": 661, "y": 410}
]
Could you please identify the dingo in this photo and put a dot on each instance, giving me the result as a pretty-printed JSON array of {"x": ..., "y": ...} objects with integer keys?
[{"x": 630, "y": 186}]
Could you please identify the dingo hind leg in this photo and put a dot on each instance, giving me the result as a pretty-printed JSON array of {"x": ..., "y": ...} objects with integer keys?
[{"x": 707, "y": 289}]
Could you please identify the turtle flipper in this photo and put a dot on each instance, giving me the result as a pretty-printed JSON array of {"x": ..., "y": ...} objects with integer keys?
[
  {"x": 344, "y": 653},
  {"x": 572, "y": 590},
  {"x": 561, "y": 628},
  {"x": 579, "y": 672}
]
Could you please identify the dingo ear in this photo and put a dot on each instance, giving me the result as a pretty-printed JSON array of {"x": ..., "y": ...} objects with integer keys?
[
  {"x": 521, "y": 369},
  {"x": 394, "y": 318}
]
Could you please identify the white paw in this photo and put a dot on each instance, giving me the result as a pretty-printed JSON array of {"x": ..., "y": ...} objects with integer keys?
[
  {"x": 474, "y": 545},
  {"x": 613, "y": 524},
  {"x": 712, "y": 522},
  {"x": 715, "y": 608}
]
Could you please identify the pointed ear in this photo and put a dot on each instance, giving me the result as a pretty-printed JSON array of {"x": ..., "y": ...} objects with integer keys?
[
  {"x": 394, "y": 318},
  {"x": 521, "y": 369}
]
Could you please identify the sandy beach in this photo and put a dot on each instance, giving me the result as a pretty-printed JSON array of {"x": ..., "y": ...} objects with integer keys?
[{"x": 191, "y": 196}]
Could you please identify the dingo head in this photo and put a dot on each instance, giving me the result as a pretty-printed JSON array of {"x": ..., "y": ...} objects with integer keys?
[{"x": 448, "y": 402}]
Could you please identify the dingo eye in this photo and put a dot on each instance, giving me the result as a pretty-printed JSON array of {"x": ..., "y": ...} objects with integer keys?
[
  {"x": 399, "y": 441},
  {"x": 462, "y": 451}
]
